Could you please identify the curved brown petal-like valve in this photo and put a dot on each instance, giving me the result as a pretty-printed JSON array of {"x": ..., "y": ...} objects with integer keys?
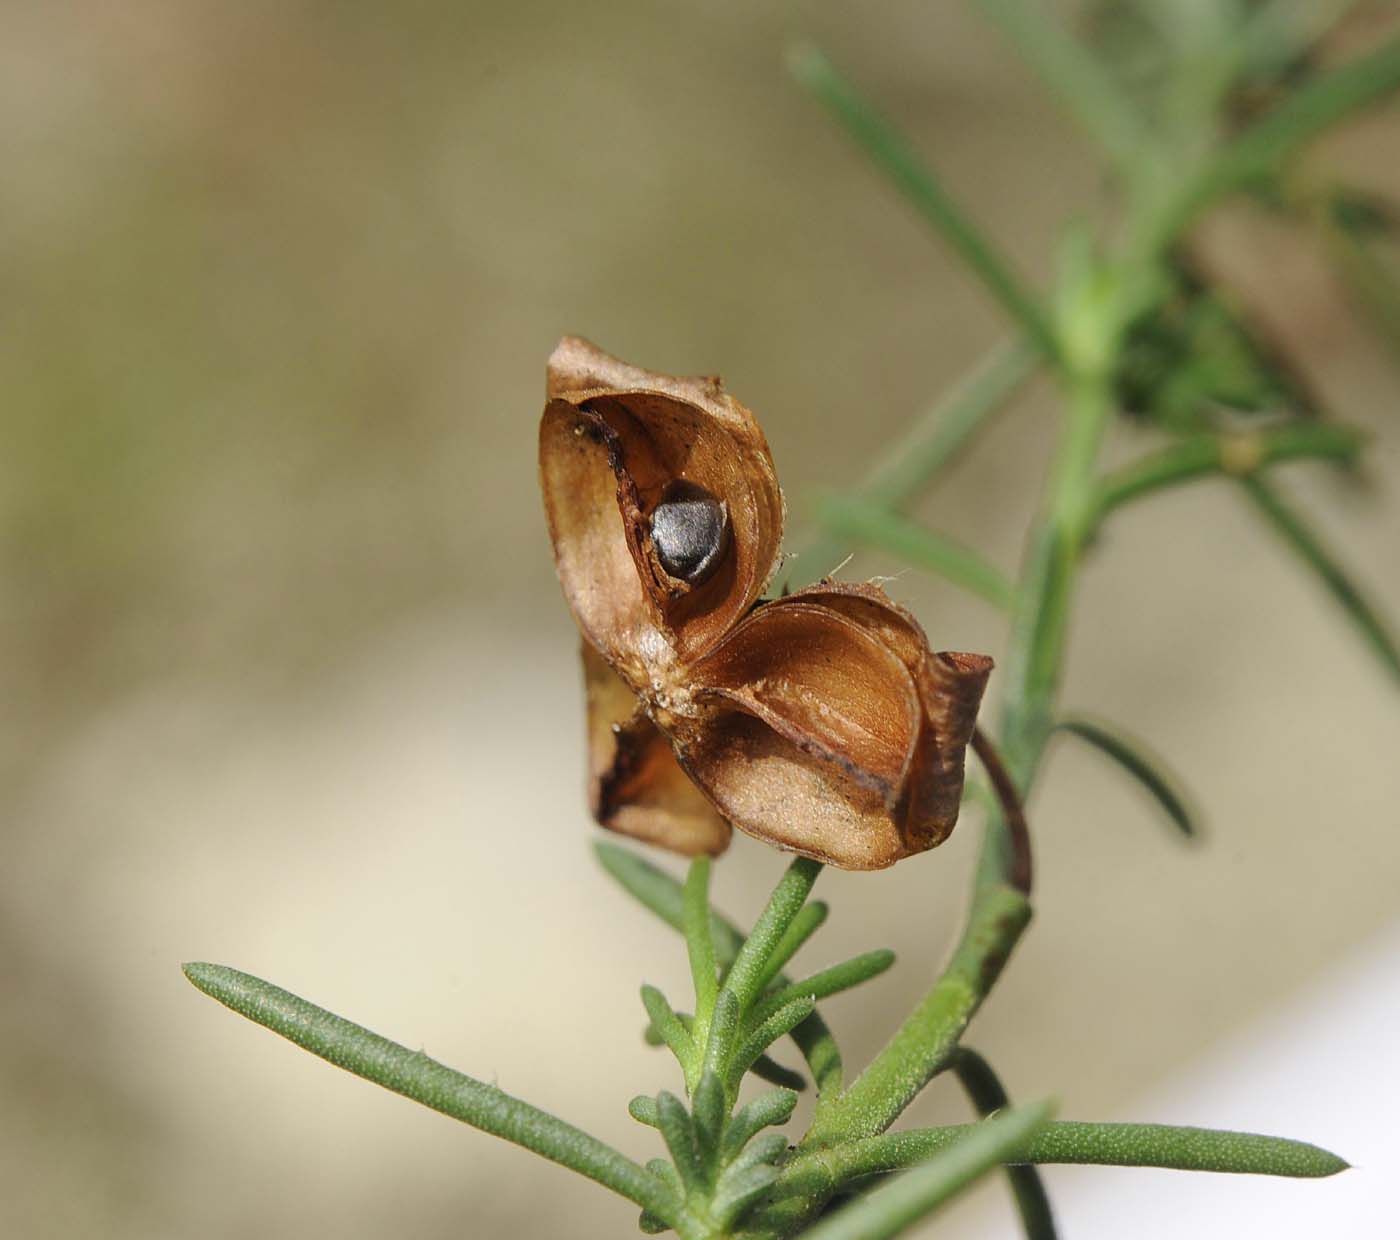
[
  {"x": 615, "y": 442},
  {"x": 838, "y": 733},
  {"x": 635, "y": 784},
  {"x": 820, "y": 722}
]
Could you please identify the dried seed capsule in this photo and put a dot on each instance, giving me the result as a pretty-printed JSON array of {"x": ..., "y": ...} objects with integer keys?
[
  {"x": 820, "y": 722},
  {"x": 690, "y": 528}
]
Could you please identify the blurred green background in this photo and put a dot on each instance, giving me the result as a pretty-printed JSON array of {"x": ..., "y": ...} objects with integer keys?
[{"x": 289, "y": 683}]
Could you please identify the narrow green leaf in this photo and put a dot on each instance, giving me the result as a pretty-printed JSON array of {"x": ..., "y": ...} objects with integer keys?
[
  {"x": 1073, "y": 73},
  {"x": 932, "y": 443},
  {"x": 766, "y": 1111},
  {"x": 700, "y": 942},
  {"x": 414, "y": 1075},
  {"x": 1211, "y": 455},
  {"x": 1277, "y": 33},
  {"x": 1185, "y": 1149},
  {"x": 671, "y": 1177},
  {"x": 745, "y": 976},
  {"x": 767, "y": 1148},
  {"x": 904, "y": 1201},
  {"x": 827, "y": 982},
  {"x": 1305, "y": 113},
  {"x": 1069, "y": 1141},
  {"x": 678, "y": 1132},
  {"x": 937, "y": 439},
  {"x": 656, "y": 890},
  {"x": 810, "y": 918},
  {"x": 988, "y": 1096},
  {"x": 709, "y": 1109},
  {"x": 1368, "y": 273},
  {"x": 663, "y": 895},
  {"x": 1299, "y": 536},
  {"x": 869, "y": 523},
  {"x": 770, "y": 1070},
  {"x": 722, "y": 1033},
  {"x": 1141, "y": 763},
  {"x": 737, "y": 1194},
  {"x": 642, "y": 1108},
  {"x": 781, "y": 1022},
  {"x": 665, "y": 1021},
  {"x": 891, "y": 152}
]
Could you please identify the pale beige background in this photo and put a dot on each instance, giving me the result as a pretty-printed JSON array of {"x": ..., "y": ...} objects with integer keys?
[{"x": 289, "y": 684}]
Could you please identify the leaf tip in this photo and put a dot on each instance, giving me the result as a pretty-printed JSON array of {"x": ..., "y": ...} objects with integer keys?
[
  {"x": 202, "y": 975},
  {"x": 806, "y": 62},
  {"x": 1328, "y": 1163}
]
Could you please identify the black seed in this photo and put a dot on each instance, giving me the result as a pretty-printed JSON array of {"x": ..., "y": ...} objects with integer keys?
[{"x": 690, "y": 528}]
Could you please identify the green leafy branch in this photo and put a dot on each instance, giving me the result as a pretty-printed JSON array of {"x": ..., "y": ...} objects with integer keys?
[
  {"x": 725, "y": 1174},
  {"x": 849, "y": 1175}
]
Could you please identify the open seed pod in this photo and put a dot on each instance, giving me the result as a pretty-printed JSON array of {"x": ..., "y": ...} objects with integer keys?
[{"x": 820, "y": 722}]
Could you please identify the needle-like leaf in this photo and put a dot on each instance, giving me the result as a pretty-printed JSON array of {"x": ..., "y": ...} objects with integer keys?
[
  {"x": 765, "y": 1111},
  {"x": 1143, "y": 765},
  {"x": 709, "y": 1111},
  {"x": 1211, "y": 455},
  {"x": 1313, "y": 108},
  {"x": 827, "y": 982},
  {"x": 700, "y": 942},
  {"x": 678, "y": 1132},
  {"x": 808, "y": 921},
  {"x": 1069, "y": 1141},
  {"x": 783, "y": 1021},
  {"x": 892, "y": 153},
  {"x": 869, "y": 523},
  {"x": 1083, "y": 85},
  {"x": 737, "y": 1193},
  {"x": 666, "y": 1023},
  {"x": 745, "y": 977},
  {"x": 1309, "y": 547},
  {"x": 414, "y": 1075},
  {"x": 770, "y": 1070},
  {"x": 664, "y": 896}
]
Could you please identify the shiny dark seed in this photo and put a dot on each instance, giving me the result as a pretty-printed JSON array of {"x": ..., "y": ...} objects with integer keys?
[{"x": 690, "y": 529}]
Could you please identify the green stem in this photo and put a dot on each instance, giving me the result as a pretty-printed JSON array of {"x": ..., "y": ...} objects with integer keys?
[
  {"x": 414, "y": 1075},
  {"x": 1040, "y": 623},
  {"x": 891, "y": 151},
  {"x": 1212, "y": 455},
  {"x": 923, "y": 1044},
  {"x": 1000, "y": 911}
]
